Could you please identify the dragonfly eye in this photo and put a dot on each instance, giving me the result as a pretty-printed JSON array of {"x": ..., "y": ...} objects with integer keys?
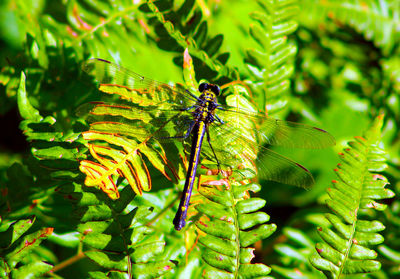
[
  {"x": 215, "y": 89},
  {"x": 203, "y": 86}
]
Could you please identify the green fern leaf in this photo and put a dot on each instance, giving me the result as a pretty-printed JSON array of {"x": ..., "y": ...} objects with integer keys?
[
  {"x": 91, "y": 22},
  {"x": 193, "y": 37},
  {"x": 17, "y": 259},
  {"x": 271, "y": 66},
  {"x": 231, "y": 222},
  {"x": 121, "y": 243},
  {"x": 26, "y": 109},
  {"x": 345, "y": 249}
]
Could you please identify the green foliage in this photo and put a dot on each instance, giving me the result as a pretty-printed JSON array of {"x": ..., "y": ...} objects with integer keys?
[
  {"x": 376, "y": 20},
  {"x": 332, "y": 64},
  {"x": 20, "y": 260},
  {"x": 271, "y": 66},
  {"x": 231, "y": 222},
  {"x": 295, "y": 252},
  {"x": 345, "y": 249},
  {"x": 122, "y": 244}
]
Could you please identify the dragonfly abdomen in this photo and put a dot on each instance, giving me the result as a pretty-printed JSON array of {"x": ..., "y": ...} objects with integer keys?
[{"x": 199, "y": 131}]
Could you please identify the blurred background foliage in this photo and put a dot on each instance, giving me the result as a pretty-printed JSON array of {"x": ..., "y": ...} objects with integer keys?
[{"x": 342, "y": 58}]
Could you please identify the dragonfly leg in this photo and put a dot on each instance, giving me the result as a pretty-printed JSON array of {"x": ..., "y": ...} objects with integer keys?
[
  {"x": 212, "y": 149},
  {"x": 189, "y": 130},
  {"x": 185, "y": 136},
  {"x": 219, "y": 119},
  {"x": 186, "y": 109}
]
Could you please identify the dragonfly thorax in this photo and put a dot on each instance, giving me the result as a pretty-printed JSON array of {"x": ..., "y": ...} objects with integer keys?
[{"x": 205, "y": 107}]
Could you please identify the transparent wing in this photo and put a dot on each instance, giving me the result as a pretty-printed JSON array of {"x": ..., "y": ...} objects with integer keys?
[
  {"x": 136, "y": 121},
  {"x": 238, "y": 136},
  {"x": 275, "y": 167},
  {"x": 277, "y": 132},
  {"x": 118, "y": 80},
  {"x": 235, "y": 148}
]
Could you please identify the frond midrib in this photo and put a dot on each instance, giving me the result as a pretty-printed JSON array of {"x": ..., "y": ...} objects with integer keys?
[
  {"x": 353, "y": 230},
  {"x": 107, "y": 21}
]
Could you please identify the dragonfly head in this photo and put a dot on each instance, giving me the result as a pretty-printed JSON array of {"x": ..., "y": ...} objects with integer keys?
[{"x": 208, "y": 86}]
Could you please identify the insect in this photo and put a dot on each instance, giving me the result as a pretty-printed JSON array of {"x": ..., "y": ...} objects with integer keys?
[{"x": 179, "y": 114}]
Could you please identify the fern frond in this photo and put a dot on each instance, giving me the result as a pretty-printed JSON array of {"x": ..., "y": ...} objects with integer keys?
[
  {"x": 116, "y": 230},
  {"x": 346, "y": 246},
  {"x": 377, "y": 20},
  {"x": 230, "y": 223},
  {"x": 195, "y": 38},
  {"x": 91, "y": 22},
  {"x": 271, "y": 66},
  {"x": 131, "y": 26},
  {"x": 117, "y": 147},
  {"x": 54, "y": 161},
  {"x": 17, "y": 257}
]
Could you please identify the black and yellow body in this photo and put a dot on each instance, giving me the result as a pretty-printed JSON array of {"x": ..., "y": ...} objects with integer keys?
[{"x": 203, "y": 116}]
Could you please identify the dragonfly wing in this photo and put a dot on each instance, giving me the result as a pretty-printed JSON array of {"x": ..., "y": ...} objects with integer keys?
[
  {"x": 173, "y": 125},
  {"x": 136, "y": 121},
  {"x": 275, "y": 167},
  {"x": 237, "y": 147},
  {"x": 115, "y": 79},
  {"x": 278, "y": 132}
]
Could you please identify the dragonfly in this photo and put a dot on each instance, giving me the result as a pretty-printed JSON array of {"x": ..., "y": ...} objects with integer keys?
[{"x": 180, "y": 114}]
